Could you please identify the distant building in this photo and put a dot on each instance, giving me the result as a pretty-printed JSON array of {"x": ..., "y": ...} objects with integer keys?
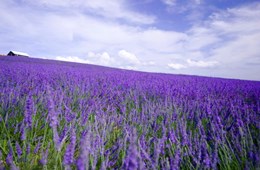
[{"x": 16, "y": 53}]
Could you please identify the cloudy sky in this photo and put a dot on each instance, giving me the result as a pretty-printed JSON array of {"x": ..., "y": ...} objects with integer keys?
[{"x": 219, "y": 38}]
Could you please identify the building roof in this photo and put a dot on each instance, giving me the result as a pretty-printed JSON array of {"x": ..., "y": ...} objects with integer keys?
[{"x": 19, "y": 53}]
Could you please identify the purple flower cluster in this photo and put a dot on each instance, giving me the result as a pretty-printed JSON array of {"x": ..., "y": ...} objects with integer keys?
[{"x": 69, "y": 153}]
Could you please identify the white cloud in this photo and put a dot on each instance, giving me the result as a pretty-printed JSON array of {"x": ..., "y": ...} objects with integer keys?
[
  {"x": 149, "y": 63},
  {"x": 201, "y": 37},
  {"x": 104, "y": 59},
  {"x": 162, "y": 41},
  {"x": 115, "y": 9},
  {"x": 239, "y": 29},
  {"x": 200, "y": 63},
  {"x": 176, "y": 66},
  {"x": 239, "y": 51},
  {"x": 129, "y": 57},
  {"x": 128, "y": 67},
  {"x": 92, "y": 58},
  {"x": 73, "y": 59},
  {"x": 244, "y": 19},
  {"x": 193, "y": 63},
  {"x": 169, "y": 2},
  {"x": 231, "y": 37}
]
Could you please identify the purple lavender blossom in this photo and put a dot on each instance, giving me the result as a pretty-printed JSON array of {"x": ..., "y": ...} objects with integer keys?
[
  {"x": 69, "y": 153},
  {"x": 44, "y": 158},
  {"x": 214, "y": 160},
  {"x": 36, "y": 149},
  {"x": 83, "y": 160},
  {"x": 58, "y": 143},
  {"x": 23, "y": 132},
  {"x": 52, "y": 114},
  {"x": 28, "y": 112},
  {"x": 9, "y": 158},
  {"x": 28, "y": 149},
  {"x": 176, "y": 160},
  {"x": 131, "y": 161},
  {"x": 18, "y": 149},
  {"x": 133, "y": 156}
]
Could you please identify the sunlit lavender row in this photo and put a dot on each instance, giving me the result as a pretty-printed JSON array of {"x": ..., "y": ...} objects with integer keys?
[{"x": 57, "y": 115}]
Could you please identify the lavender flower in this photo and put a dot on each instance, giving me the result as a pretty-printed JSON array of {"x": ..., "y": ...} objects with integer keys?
[
  {"x": 133, "y": 156},
  {"x": 52, "y": 114},
  {"x": 44, "y": 154},
  {"x": 176, "y": 160},
  {"x": 28, "y": 112},
  {"x": 83, "y": 160},
  {"x": 23, "y": 133},
  {"x": 131, "y": 161},
  {"x": 69, "y": 153},
  {"x": 28, "y": 149},
  {"x": 205, "y": 157},
  {"x": 44, "y": 158},
  {"x": 36, "y": 149},
  {"x": 9, "y": 158},
  {"x": 58, "y": 143},
  {"x": 215, "y": 157},
  {"x": 18, "y": 149}
]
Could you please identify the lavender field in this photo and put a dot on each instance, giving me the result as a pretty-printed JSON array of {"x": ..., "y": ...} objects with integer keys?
[{"x": 58, "y": 115}]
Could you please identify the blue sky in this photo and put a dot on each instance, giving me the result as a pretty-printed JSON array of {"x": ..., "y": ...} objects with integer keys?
[{"x": 219, "y": 38}]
